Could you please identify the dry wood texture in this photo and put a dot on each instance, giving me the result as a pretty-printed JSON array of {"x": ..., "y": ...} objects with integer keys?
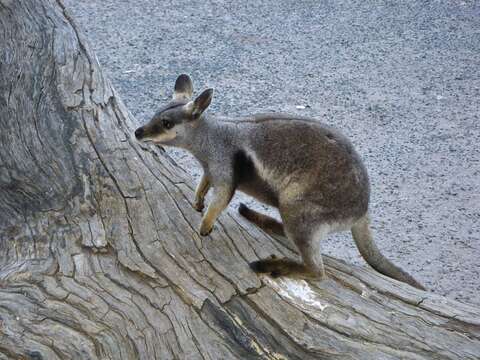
[{"x": 100, "y": 256}]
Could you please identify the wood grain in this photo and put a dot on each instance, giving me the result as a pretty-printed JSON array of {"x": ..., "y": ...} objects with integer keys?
[{"x": 100, "y": 257}]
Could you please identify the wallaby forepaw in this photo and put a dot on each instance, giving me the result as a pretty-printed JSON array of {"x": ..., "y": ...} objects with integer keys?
[
  {"x": 199, "y": 206},
  {"x": 205, "y": 230}
]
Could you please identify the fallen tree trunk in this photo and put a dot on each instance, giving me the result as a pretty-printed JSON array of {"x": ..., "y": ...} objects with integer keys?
[{"x": 100, "y": 256}]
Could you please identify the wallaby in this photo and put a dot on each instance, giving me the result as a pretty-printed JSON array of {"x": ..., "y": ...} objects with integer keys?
[{"x": 306, "y": 169}]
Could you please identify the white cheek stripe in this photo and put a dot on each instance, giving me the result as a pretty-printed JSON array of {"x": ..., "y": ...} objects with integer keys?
[{"x": 170, "y": 135}]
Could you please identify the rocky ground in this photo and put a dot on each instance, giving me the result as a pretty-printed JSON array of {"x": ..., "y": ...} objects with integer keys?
[{"x": 401, "y": 79}]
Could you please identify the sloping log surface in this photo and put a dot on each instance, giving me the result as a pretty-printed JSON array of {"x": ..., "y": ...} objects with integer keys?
[{"x": 100, "y": 256}]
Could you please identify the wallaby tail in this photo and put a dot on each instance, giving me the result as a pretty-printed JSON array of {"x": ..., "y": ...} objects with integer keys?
[
  {"x": 363, "y": 238},
  {"x": 264, "y": 222}
]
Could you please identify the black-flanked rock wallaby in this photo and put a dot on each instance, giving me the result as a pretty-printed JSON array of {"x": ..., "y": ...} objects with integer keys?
[{"x": 307, "y": 170}]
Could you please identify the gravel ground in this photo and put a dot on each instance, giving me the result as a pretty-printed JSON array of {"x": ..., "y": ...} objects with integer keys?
[{"x": 401, "y": 79}]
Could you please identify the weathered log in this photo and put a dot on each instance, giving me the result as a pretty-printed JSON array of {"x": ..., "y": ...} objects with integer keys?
[{"x": 100, "y": 257}]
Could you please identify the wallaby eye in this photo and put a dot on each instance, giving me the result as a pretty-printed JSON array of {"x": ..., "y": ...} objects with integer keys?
[{"x": 167, "y": 124}]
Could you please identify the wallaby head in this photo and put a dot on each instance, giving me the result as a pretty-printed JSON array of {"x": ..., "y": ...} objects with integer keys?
[{"x": 170, "y": 124}]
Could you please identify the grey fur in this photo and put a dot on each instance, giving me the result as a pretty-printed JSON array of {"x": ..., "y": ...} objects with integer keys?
[{"x": 306, "y": 169}]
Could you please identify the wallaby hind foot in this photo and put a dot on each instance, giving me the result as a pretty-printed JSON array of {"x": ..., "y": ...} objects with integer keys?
[{"x": 283, "y": 267}]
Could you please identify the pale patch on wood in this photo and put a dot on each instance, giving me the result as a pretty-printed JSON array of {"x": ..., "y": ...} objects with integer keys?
[{"x": 296, "y": 292}]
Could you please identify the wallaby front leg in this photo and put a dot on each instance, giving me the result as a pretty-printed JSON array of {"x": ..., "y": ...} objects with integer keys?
[
  {"x": 200, "y": 192},
  {"x": 221, "y": 198}
]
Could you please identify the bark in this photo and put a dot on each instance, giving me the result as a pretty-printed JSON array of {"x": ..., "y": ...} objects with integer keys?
[{"x": 100, "y": 257}]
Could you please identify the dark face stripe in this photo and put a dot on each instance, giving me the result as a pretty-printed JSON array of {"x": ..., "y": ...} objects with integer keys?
[{"x": 170, "y": 107}]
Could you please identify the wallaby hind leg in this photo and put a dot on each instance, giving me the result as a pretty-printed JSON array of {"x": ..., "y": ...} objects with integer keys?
[
  {"x": 308, "y": 241},
  {"x": 266, "y": 223}
]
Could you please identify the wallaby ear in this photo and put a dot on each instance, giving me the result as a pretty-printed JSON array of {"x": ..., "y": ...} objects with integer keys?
[
  {"x": 200, "y": 104},
  {"x": 183, "y": 88}
]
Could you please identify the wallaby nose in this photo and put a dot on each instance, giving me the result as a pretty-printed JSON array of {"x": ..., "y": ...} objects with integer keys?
[{"x": 139, "y": 133}]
